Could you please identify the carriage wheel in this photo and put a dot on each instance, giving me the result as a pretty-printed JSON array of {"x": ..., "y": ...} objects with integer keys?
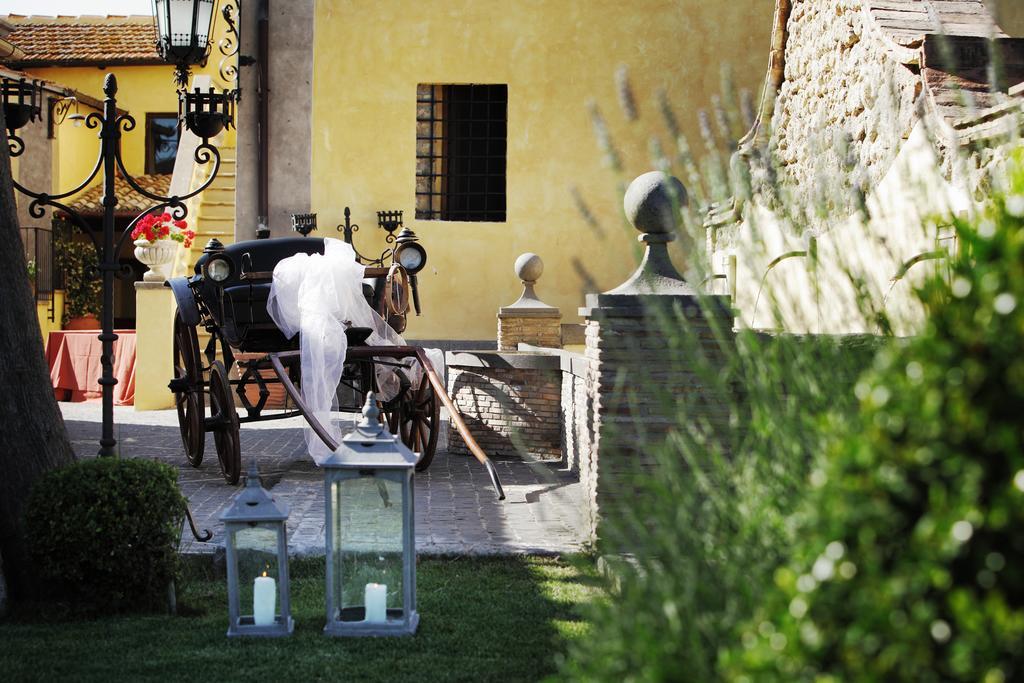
[
  {"x": 189, "y": 400},
  {"x": 225, "y": 423},
  {"x": 417, "y": 420}
]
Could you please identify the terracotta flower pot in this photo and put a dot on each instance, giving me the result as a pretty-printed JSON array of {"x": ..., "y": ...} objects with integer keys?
[
  {"x": 158, "y": 256},
  {"x": 84, "y": 322}
]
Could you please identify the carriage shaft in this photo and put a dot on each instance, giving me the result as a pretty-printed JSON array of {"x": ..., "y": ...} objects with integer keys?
[{"x": 370, "y": 352}]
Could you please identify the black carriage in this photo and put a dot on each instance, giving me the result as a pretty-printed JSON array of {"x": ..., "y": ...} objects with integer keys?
[{"x": 227, "y": 297}]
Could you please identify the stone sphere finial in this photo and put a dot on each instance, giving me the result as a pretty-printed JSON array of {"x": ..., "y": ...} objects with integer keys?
[
  {"x": 529, "y": 267},
  {"x": 652, "y": 202}
]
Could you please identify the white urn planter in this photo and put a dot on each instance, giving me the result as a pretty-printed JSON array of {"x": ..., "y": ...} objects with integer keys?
[{"x": 158, "y": 256}]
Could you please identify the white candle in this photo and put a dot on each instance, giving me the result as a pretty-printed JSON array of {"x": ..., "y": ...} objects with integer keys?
[
  {"x": 376, "y": 600},
  {"x": 264, "y": 600}
]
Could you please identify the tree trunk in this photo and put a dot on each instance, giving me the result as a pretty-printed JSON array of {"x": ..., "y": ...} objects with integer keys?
[{"x": 32, "y": 435}]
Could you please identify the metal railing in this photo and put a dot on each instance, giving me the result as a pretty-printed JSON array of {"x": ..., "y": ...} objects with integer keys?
[{"x": 42, "y": 262}]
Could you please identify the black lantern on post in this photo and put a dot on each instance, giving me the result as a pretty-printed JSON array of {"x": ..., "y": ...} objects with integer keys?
[
  {"x": 183, "y": 39},
  {"x": 183, "y": 33},
  {"x": 22, "y": 100},
  {"x": 206, "y": 113},
  {"x": 304, "y": 223}
]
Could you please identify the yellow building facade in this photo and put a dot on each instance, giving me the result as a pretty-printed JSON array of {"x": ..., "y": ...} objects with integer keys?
[{"x": 559, "y": 59}]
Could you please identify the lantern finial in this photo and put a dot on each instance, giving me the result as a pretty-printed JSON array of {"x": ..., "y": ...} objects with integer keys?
[
  {"x": 252, "y": 477},
  {"x": 370, "y": 425}
]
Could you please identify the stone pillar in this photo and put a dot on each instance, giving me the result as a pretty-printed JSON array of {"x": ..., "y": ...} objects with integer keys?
[
  {"x": 154, "y": 349},
  {"x": 529, "y": 320},
  {"x": 637, "y": 381}
]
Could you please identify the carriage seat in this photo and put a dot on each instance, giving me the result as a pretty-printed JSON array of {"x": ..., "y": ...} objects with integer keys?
[{"x": 246, "y": 322}]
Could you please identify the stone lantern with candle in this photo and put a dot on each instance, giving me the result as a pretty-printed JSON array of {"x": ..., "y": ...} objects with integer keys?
[
  {"x": 371, "y": 551},
  {"x": 257, "y": 562}
]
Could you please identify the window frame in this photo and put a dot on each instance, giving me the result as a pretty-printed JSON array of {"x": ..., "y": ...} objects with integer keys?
[
  {"x": 462, "y": 152},
  {"x": 151, "y": 139}
]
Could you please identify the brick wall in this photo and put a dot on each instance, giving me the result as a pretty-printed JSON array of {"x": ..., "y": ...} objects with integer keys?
[
  {"x": 639, "y": 384},
  {"x": 535, "y": 330},
  {"x": 511, "y": 411}
]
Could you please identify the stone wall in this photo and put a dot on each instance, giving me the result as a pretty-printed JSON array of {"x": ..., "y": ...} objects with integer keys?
[
  {"x": 578, "y": 436},
  {"x": 840, "y": 83}
]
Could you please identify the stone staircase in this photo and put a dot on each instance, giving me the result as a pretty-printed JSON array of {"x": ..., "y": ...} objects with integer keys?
[{"x": 212, "y": 213}]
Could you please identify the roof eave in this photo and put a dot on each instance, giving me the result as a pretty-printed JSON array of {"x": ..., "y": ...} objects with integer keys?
[{"x": 98, "y": 63}]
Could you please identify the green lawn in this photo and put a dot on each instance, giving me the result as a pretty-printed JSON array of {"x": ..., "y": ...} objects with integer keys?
[{"x": 481, "y": 620}]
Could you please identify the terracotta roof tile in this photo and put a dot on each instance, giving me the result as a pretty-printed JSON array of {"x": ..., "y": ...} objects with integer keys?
[
  {"x": 129, "y": 202},
  {"x": 66, "y": 40}
]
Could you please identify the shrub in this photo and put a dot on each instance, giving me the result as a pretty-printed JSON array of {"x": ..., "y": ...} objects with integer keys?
[
  {"x": 908, "y": 563},
  {"x": 77, "y": 261},
  {"x": 707, "y": 532},
  {"x": 105, "y": 532}
]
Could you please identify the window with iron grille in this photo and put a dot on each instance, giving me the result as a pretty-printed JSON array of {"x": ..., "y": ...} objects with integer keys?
[{"x": 460, "y": 152}]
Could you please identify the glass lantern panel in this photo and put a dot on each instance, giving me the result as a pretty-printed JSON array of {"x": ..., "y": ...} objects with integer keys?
[
  {"x": 181, "y": 22},
  {"x": 367, "y": 533},
  {"x": 259, "y": 587},
  {"x": 160, "y": 10},
  {"x": 203, "y": 21}
]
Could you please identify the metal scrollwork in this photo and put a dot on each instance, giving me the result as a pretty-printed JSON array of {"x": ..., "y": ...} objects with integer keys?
[
  {"x": 127, "y": 122},
  {"x": 389, "y": 221},
  {"x": 15, "y": 144},
  {"x": 108, "y": 242},
  {"x": 229, "y": 45}
]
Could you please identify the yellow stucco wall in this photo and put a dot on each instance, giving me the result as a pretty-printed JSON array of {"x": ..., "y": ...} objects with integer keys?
[
  {"x": 554, "y": 57},
  {"x": 154, "y": 365},
  {"x": 140, "y": 90}
]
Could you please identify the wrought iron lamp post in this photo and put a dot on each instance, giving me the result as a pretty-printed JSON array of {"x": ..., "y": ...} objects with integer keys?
[
  {"x": 184, "y": 31},
  {"x": 371, "y": 544}
]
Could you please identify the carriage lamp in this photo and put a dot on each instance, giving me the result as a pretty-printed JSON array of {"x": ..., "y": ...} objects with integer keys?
[
  {"x": 183, "y": 33},
  {"x": 371, "y": 553},
  {"x": 23, "y": 100},
  {"x": 218, "y": 269},
  {"x": 409, "y": 252},
  {"x": 257, "y": 559}
]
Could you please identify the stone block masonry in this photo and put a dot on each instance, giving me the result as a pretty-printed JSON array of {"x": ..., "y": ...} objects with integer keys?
[{"x": 841, "y": 81}]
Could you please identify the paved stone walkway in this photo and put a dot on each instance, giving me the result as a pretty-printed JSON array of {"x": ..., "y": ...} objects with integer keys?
[{"x": 456, "y": 509}]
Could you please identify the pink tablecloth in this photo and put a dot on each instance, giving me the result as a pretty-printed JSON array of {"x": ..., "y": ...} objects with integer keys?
[{"x": 75, "y": 369}]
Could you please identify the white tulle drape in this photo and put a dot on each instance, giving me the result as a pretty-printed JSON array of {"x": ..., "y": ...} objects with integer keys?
[{"x": 317, "y": 296}]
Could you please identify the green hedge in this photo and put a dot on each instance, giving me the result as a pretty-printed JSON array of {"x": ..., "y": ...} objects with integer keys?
[
  {"x": 909, "y": 553},
  {"x": 104, "y": 532}
]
